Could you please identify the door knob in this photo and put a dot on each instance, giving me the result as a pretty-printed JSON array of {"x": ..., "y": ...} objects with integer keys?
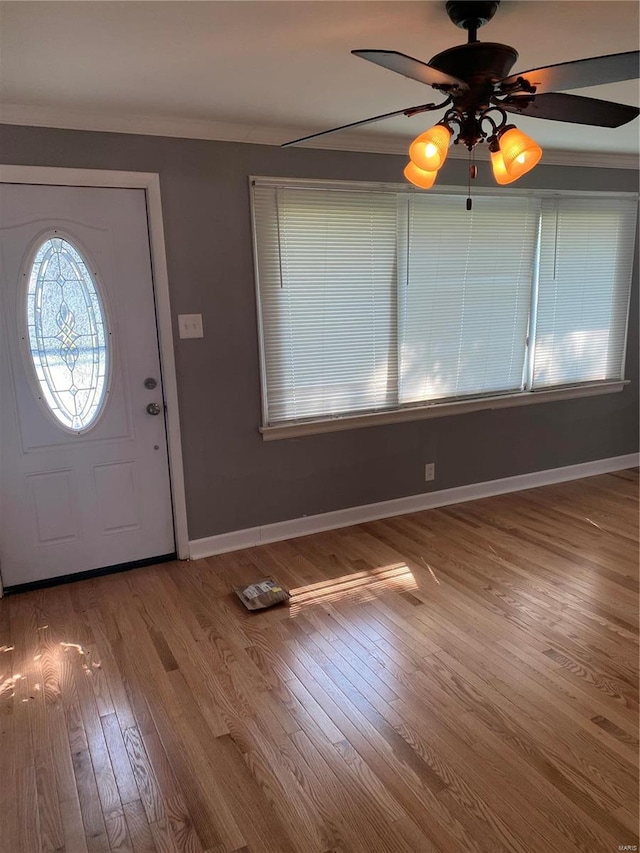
[{"x": 154, "y": 409}]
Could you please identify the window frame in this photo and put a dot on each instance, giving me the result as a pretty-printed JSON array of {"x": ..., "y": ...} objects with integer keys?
[{"x": 438, "y": 408}]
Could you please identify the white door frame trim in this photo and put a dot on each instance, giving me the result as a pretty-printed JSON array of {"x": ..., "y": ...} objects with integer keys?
[{"x": 150, "y": 183}]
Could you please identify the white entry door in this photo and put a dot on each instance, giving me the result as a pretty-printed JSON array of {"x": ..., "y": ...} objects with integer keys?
[{"x": 84, "y": 476}]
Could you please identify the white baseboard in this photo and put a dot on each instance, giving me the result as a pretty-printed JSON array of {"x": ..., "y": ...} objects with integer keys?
[{"x": 237, "y": 539}]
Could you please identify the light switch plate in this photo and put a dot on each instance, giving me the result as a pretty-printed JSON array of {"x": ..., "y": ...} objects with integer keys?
[{"x": 190, "y": 326}]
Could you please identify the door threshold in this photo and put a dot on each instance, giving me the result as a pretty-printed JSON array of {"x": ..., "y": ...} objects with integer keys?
[{"x": 91, "y": 573}]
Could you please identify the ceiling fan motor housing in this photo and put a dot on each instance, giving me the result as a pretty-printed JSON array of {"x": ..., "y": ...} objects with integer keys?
[
  {"x": 480, "y": 60},
  {"x": 481, "y": 65},
  {"x": 471, "y": 14}
]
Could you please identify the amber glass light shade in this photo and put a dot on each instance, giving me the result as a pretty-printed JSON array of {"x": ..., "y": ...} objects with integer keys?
[
  {"x": 499, "y": 171},
  {"x": 429, "y": 150},
  {"x": 419, "y": 177},
  {"x": 519, "y": 152}
]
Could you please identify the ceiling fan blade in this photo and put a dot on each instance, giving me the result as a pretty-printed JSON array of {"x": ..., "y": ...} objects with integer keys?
[
  {"x": 412, "y": 68},
  {"x": 559, "y": 106},
  {"x": 594, "y": 71},
  {"x": 408, "y": 111}
]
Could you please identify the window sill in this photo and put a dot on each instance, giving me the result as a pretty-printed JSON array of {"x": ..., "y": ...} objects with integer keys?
[{"x": 438, "y": 410}]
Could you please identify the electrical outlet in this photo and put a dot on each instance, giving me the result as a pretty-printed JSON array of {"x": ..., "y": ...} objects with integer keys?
[
  {"x": 190, "y": 326},
  {"x": 430, "y": 471}
]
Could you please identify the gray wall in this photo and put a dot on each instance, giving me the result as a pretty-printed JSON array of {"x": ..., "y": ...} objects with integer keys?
[{"x": 234, "y": 479}]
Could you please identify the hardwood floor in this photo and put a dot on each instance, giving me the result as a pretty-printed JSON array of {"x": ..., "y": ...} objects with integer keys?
[{"x": 459, "y": 679}]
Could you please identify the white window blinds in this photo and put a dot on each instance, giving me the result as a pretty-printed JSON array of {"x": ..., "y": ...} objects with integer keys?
[
  {"x": 465, "y": 294},
  {"x": 327, "y": 286},
  {"x": 585, "y": 277},
  {"x": 372, "y": 298}
]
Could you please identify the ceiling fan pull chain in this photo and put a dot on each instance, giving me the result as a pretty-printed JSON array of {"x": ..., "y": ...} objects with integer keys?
[{"x": 473, "y": 173}]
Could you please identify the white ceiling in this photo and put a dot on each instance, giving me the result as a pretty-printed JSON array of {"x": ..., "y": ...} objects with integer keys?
[{"x": 269, "y": 71}]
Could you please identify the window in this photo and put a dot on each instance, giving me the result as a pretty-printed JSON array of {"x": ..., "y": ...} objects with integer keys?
[
  {"x": 329, "y": 302},
  {"x": 375, "y": 299},
  {"x": 583, "y": 293},
  {"x": 66, "y": 331},
  {"x": 464, "y": 303}
]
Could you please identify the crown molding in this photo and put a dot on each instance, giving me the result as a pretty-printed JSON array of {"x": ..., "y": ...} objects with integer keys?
[{"x": 187, "y": 128}]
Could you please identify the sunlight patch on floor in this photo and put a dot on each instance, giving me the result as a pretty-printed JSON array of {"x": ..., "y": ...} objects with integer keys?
[
  {"x": 358, "y": 587},
  {"x": 51, "y": 659}
]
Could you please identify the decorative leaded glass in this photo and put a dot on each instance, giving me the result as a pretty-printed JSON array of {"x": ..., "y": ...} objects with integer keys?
[{"x": 67, "y": 336}]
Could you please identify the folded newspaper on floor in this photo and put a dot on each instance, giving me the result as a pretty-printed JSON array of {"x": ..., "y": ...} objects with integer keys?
[{"x": 263, "y": 593}]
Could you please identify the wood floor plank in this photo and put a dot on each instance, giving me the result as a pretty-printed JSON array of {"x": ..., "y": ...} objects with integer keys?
[
  {"x": 105, "y": 636},
  {"x": 49, "y": 817},
  {"x": 73, "y": 828},
  {"x": 118, "y": 833},
  {"x": 29, "y": 837},
  {"x": 120, "y": 759},
  {"x": 90, "y": 806},
  {"x": 138, "y": 828},
  {"x": 8, "y": 773},
  {"x": 99, "y": 754},
  {"x": 145, "y": 778},
  {"x": 463, "y": 678},
  {"x": 180, "y": 829}
]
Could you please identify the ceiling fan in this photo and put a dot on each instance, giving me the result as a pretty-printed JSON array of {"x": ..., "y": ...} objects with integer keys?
[{"x": 480, "y": 93}]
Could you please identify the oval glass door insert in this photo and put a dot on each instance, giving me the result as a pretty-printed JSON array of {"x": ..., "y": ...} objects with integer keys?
[{"x": 67, "y": 334}]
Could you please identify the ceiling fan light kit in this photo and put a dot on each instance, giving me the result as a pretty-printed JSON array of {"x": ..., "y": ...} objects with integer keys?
[
  {"x": 429, "y": 150},
  {"x": 519, "y": 152},
  {"x": 500, "y": 173},
  {"x": 419, "y": 177},
  {"x": 480, "y": 93},
  {"x": 513, "y": 153}
]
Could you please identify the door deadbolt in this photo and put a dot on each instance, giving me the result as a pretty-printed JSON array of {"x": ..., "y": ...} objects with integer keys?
[{"x": 150, "y": 383}]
